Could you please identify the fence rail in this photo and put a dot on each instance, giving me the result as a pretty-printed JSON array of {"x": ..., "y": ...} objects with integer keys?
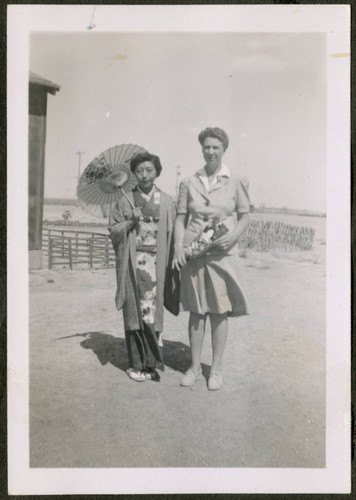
[{"x": 68, "y": 247}]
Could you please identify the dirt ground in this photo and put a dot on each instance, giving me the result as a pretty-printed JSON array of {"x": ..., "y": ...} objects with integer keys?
[{"x": 86, "y": 412}]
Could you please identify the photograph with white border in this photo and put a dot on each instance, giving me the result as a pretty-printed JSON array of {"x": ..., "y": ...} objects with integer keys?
[{"x": 84, "y": 80}]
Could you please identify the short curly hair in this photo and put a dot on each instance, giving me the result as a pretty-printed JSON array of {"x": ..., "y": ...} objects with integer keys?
[
  {"x": 216, "y": 133},
  {"x": 142, "y": 157}
]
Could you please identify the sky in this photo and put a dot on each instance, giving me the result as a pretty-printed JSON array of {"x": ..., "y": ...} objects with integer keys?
[{"x": 159, "y": 90}]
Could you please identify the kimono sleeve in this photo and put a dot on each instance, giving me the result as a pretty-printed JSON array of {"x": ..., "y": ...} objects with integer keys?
[
  {"x": 182, "y": 204},
  {"x": 242, "y": 196},
  {"x": 118, "y": 222}
]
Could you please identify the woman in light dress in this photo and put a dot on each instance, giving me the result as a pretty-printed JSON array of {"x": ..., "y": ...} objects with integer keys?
[{"x": 211, "y": 282}]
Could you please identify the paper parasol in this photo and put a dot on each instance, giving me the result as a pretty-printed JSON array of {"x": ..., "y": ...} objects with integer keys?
[{"x": 106, "y": 179}]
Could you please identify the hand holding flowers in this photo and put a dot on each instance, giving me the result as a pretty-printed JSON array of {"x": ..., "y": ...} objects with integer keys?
[{"x": 215, "y": 234}]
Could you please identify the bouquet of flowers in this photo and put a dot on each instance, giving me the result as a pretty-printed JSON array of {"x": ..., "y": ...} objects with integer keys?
[{"x": 205, "y": 240}]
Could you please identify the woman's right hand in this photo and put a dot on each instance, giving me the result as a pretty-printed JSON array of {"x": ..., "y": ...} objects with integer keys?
[{"x": 179, "y": 259}]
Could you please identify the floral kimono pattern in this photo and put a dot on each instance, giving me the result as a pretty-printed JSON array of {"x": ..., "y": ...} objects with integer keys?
[
  {"x": 143, "y": 260},
  {"x": 147, "y": 343},
  {"x": 146, "y": 254}
]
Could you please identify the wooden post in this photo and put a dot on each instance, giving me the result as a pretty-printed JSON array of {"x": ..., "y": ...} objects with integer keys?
[
  {"x": 76, "y": 244},
  {"x": 70, "y": 253},
  {"x": 62, "y": 244},
  {"x": 107, "y": 251},
  {"x": 50, "y": 242},
  {"x": 91, "y": 253}
]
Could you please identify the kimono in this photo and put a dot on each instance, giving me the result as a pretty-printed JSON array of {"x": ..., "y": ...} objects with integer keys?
[{"x": 143, "y": 256}]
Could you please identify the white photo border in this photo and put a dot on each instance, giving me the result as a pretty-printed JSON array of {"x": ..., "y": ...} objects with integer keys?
[{"x": 334, "y": 20}]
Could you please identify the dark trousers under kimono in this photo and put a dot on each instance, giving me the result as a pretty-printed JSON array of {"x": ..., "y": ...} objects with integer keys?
[{"x": 143, "y": 349}]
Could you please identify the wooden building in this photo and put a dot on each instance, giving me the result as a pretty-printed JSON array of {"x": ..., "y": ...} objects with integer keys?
[{"x": 38, "y": 89}]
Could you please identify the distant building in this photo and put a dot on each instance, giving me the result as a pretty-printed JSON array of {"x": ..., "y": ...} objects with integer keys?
[{"x": 38, "y": 89}]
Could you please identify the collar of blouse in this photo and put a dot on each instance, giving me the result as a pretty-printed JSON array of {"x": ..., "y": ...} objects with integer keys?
[{"x": 218, "y": 179}]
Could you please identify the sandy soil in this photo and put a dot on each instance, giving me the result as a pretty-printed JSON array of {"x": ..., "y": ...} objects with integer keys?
[{"x": 86, "y": 412}]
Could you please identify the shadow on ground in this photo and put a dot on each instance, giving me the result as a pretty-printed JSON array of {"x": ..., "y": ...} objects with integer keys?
[{"x": 110, "y": 349}]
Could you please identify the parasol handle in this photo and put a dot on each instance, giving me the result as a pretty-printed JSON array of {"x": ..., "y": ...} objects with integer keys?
[{"x": 128, "y": 199}]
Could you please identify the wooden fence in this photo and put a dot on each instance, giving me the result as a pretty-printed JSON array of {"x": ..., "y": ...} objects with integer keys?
[{"x": 66, "y": 247}]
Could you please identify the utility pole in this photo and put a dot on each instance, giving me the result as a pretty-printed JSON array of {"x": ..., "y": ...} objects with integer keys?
[
  {"x": 79, "y": 153},
  {"x": 177, "y": 186}
]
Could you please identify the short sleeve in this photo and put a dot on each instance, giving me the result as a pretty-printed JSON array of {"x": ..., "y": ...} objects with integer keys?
[
  {"x": 242, "y": 197},
  {"x": 182, "y": 204}
]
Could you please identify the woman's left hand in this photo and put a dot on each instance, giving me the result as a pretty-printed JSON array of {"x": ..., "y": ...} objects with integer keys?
[{"x": 226, "y": 241}]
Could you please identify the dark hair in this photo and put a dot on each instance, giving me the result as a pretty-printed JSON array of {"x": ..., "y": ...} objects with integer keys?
[
  {"x": 216, "y": 133},
  {"x": 142, "y": 157}
]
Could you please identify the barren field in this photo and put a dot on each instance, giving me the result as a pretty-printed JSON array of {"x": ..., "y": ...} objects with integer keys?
[{"x": 86, "y": 412}]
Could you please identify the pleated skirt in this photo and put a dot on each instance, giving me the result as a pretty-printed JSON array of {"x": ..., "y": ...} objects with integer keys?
[{"x": 213, "y": 284}]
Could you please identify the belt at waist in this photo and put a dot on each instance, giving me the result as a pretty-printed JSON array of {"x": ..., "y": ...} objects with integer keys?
[{"x": 146, "y": 248}]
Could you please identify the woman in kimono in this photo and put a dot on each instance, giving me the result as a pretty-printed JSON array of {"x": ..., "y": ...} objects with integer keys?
[
  {"x": 142, "y": 240},
  {"x": 210, "y": 283}
]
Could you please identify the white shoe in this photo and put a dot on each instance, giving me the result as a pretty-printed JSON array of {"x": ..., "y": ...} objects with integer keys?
[
  {"x": 190, "y": 377},
  {"x": 215, "y": 381},
  {"x": 136, "y": 375}
]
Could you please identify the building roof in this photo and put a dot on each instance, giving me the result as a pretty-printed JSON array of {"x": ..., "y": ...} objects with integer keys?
[{"x": 51, "y": 87}]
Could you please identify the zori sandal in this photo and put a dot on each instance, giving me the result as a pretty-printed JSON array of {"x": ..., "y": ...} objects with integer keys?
[
  {"x": 136, "y": 375},
  {"x": 151, "y": 374}
]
